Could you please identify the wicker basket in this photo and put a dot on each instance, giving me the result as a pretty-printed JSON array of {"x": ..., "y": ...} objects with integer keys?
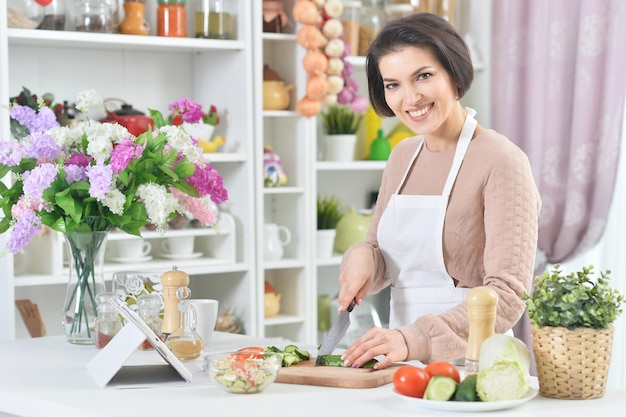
[{"x": 572, "y": 364}]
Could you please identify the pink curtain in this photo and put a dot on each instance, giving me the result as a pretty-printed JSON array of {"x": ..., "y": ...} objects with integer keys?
[
  {"x": 559, "y": 77},
  {"x": 558, "y": 86}
]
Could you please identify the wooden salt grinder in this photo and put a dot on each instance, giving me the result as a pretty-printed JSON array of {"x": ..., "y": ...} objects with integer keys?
[
  {"x": 171, "y": 281},
  {"x": 481, "y": 306}
]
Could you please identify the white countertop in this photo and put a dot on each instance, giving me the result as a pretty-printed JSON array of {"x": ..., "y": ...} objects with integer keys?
[{"x": 47, "y": 377}]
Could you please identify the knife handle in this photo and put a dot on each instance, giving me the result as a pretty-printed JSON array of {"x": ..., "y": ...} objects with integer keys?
[{"x": 351, "y": 306}]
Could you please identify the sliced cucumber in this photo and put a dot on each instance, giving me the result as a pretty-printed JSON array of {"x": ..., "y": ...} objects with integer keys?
[{"x": 440, "y": 388}]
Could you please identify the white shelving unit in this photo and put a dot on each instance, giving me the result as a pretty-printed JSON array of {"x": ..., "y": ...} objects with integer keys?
[
  {"x": 291, "y": 137},
  {"x": 148, "y": 72}
]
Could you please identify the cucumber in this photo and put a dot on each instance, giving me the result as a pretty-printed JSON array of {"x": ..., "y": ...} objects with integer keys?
[
  {"x": 467, "y": 389},
  {"x": 335, "y": 360},
  {"x": 440, "y": 388}
]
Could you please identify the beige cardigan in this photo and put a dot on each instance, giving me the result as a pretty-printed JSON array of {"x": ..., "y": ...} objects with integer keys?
[{"x": 490, "y": 233}]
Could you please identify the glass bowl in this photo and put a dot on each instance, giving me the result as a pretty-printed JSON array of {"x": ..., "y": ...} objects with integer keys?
[{"x": 243, "y": 372}]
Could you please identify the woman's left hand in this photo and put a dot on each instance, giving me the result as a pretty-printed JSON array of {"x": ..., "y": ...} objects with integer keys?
[{"x": 376, "y": 342}]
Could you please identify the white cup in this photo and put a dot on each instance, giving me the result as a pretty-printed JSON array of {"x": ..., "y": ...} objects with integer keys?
[
  {"x": 179, "y": 245},
  {"x": 206, "y": 317},
  {"x": 133, "y": 248}
]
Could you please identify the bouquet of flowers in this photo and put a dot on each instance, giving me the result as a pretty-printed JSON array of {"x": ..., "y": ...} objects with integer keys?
[
  {"x": 97, "y": 176},
  {"x": 94, "y": 177},
  {"x": 26, "y": 98}
]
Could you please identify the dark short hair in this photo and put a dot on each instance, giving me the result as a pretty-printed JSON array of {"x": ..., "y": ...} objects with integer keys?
[{"x": 422, "y": 30}]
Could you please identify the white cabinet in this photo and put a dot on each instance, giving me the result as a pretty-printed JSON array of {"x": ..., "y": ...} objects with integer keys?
[
  {"x": 292, "y": 138},
  {"x": 148, "y": 72}
]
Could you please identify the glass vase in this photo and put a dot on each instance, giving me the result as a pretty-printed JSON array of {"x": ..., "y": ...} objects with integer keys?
[{"x": 86, "y": 281}]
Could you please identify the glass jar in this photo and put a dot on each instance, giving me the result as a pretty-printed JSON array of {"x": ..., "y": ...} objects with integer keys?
[
  {"x": 172, "y": 18},
  {"x": 372, "y": 18},
  {"x": 108, "y": 320},
  {"x": 350, "y": 22},
  {"x": 94, "y": 16},
  {"x": 134, "y": 22},
  {"x": 53, "y": 16},
  {"x": 149, "y": 309},
  {"x": 215, "y": 19}
]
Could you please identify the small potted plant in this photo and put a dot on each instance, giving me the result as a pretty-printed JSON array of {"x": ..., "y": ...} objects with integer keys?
[
  {"x": 329, "y": 212},
  {"x": 572, "y": 331},
  {"x": 341, "y": 124}
]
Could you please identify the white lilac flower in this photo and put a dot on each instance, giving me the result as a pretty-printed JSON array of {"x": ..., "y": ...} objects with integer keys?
[
  {"x": 89, "y": 100},
  {"x": 181, "y": 141},
  {"x": 100, "y": 145},
  {"x": 159, "y": 203},
  {"x": 66, "y": 137},
  {"x": 114, "y": 200}
]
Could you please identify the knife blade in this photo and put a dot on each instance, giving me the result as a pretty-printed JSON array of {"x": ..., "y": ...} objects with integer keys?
[{"x": 336, "y": 333}]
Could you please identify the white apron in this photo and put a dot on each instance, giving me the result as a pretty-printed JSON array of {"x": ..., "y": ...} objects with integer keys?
[{"x": 410, "y": 235}]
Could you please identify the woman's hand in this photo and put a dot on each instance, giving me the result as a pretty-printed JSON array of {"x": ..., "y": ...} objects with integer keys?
[
  {"x": 375, "y": 342},
  {"x": 356, "y": 275}
]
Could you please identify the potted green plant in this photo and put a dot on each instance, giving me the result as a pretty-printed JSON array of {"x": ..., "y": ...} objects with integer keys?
[
  {"x": 340, "y": 124},
  {"x": 572, "y": 331},
  {"x": 329, "y": 212}
]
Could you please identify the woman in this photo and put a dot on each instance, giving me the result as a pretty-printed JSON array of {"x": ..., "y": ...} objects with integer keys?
[{"x": 457, "y": 207}]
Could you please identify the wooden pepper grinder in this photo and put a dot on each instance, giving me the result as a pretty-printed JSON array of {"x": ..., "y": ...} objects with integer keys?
[
  {"x": 481, "y": 306},
  {"x": 171, "y": 281}
]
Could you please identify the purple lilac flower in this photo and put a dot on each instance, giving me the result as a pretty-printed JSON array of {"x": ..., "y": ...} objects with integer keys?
[
  {"x": 41, "y": 145},
  {"x": 38, "y": 179},
  {"x": 25, "y": 229},
  {"x": 23, "y": 114},
  {"x": 123, "y": 153},
  {"x": 208, "y": 181},
  {"x": 189, "y": 110},
  {"x": 11, "y": 152},
  {"x": 75, "y": 173},
  {"x": 45, "y": 120},
  {"x": 79, "y": 159},
  {"x": 100, "y": 179}
]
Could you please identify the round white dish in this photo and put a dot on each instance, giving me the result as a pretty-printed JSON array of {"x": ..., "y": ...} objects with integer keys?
[
  {"x": 179, "y": 256},
  {"x": 133, "y": 260},
  {"x": 461, "y": 406}
]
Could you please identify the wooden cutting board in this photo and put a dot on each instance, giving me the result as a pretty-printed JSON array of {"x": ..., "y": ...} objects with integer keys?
[{"x": 305, "y": 373}]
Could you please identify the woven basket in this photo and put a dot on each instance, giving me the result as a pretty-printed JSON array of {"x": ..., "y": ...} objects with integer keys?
[{"x": 572, "y": 364}]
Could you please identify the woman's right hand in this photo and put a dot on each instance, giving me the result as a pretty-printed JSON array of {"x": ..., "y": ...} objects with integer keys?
[{"x": 356, "y": 275}]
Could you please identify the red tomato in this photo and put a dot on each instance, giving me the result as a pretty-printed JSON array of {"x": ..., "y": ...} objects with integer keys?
[
  {"x": 411, "y": 381},
  {"x": 443, "y": 369}
]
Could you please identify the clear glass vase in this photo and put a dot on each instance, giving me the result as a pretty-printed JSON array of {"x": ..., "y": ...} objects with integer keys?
[{"x": 86, "y": 281}]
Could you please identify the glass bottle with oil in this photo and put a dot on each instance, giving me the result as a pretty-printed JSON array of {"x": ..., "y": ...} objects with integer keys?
[{"x": 185, "y": 343}]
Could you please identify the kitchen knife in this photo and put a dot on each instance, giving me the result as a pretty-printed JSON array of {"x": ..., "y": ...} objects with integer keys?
[{"x": 336, "y": 333}]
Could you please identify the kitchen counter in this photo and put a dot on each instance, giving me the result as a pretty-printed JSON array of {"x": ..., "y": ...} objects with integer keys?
[{"x": 46, "y": 377}]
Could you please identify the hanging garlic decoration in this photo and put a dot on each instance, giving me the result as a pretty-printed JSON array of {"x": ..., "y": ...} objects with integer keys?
[{"x": 321, "y": 34}]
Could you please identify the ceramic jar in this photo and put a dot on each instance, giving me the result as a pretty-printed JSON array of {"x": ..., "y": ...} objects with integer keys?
[
  {"x": 351, "y": 229},
  {"x": 276, "y": 95}
]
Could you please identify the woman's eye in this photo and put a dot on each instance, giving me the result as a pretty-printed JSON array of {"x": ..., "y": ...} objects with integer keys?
[
  {"x": 424, "y": 76},
  {"x": 390, "y": 86}
]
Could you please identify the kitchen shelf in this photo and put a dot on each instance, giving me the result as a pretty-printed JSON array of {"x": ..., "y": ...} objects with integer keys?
[
  {"x": 149, "y": 72},
  {"x": 68, "y": 39}
]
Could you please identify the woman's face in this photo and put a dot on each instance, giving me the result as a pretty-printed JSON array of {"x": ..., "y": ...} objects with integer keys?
[{"x": 419, "y": 90}]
